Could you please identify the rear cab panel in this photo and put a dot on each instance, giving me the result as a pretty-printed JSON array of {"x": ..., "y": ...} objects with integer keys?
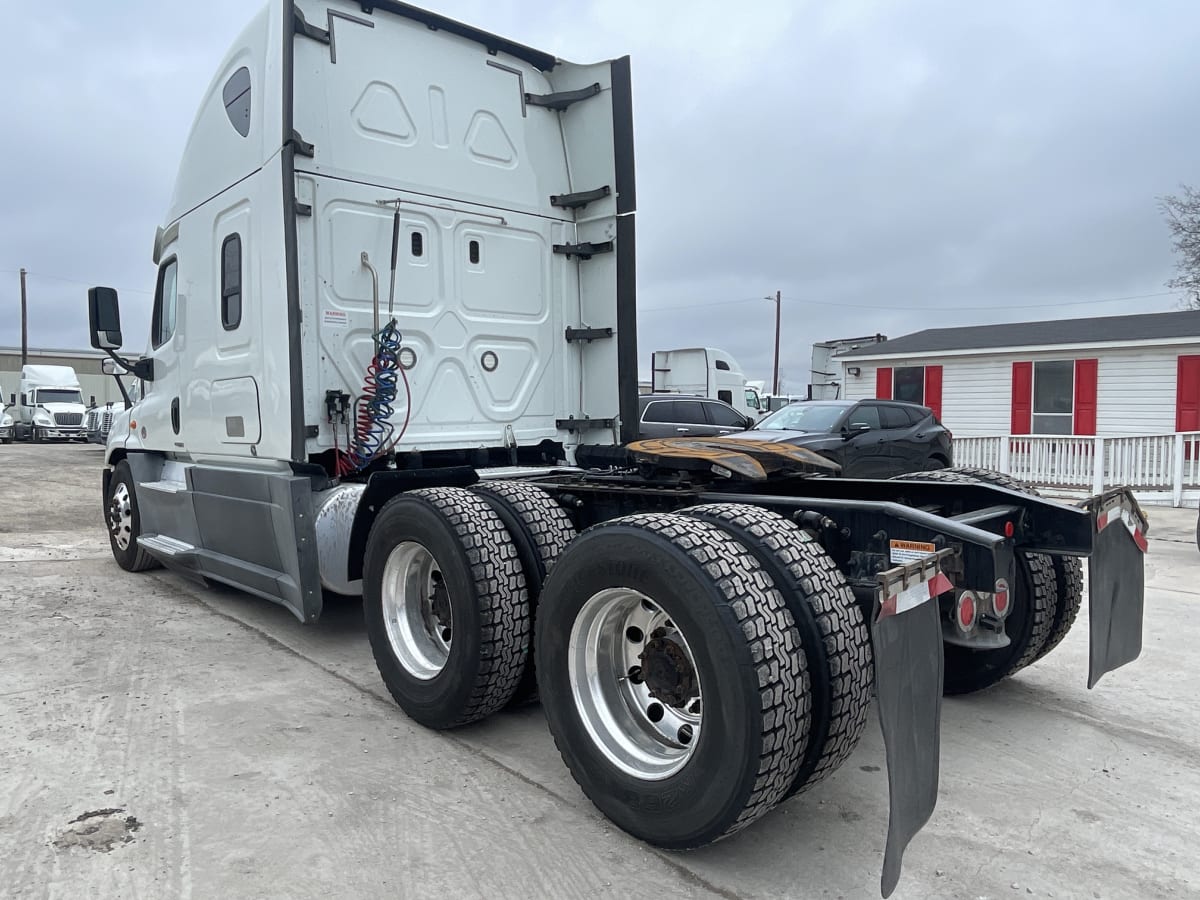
[{"x": 459, "y": 139}]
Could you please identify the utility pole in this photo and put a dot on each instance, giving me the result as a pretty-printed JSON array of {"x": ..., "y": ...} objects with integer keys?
[
  {"x": 778, "y": 298},
  {"x": 24, "y": 323}
]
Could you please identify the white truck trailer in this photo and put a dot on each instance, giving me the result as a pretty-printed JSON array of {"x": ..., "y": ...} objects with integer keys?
[
  {"x": 49, "y": 405},
  {"x": 393, "y": 352},
  {"x": 707, "y": 372}
]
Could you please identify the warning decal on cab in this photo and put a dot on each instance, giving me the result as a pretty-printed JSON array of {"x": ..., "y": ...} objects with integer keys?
[{"x": 910, "y": 551}]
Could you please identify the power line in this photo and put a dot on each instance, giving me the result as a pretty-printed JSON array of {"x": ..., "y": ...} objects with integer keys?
[
  {"x": 74, "y": 281},
  {"x": 896, "y": 308}
]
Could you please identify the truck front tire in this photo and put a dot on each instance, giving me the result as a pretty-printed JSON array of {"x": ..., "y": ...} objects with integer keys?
[
  {"x": 671, "y": 676},
  {"x": 446, "y": 606},
  {"x": 124, "y": 521}
]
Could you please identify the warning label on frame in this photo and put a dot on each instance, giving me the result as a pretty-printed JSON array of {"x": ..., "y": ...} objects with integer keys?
[{"x": 910, "y": 551}]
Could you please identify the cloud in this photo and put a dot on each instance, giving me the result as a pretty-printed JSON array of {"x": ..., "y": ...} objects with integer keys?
[{"x": 967, "y": 157}]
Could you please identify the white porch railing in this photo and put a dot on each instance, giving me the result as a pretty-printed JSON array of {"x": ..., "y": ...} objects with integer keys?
[{"x": 1159, "y": 467}]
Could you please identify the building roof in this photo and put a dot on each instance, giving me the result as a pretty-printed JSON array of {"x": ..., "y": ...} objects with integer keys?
[{"x": 1100, "y": 330}]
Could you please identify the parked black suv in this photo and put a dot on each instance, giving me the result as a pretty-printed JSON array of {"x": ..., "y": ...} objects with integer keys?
[
  {"x": 687, "y": 415},
  {"x": 868, "y": 439}
]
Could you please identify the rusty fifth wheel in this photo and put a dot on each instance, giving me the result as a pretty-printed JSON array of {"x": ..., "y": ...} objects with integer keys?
[{"x": 672, "y": 677}]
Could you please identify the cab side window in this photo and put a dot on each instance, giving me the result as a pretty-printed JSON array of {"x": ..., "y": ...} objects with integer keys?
[
  {"x": 231, "y": 282},
  {"x": 165, "y": 298}
]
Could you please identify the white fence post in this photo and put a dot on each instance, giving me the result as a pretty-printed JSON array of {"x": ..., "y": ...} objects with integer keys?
[
  {"x": 1177, "y": 472},
  {"x": 1098, "y": 467},
  {"x": 1004, "y": 464}
]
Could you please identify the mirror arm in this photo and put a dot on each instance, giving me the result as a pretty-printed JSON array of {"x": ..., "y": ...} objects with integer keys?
[
  {"x": 143, "y": 369},
  {"x": 124, "y": 393}
]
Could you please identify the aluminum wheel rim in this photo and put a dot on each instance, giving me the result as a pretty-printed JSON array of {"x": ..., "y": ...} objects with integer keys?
[
  {"x": 419, "y": 634},
  {"x": 639, "y": 734},
  {"x": 120, "y": 516}
]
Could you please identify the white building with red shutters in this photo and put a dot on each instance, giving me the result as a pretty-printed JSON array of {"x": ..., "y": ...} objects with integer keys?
[{"x": 1093, "y": 401}]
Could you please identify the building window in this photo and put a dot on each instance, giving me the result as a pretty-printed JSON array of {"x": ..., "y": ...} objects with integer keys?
[
  {"x": 231, "y": 282},
  {"x": 908, "y": 384},
  {"x": 921, "y": 385},
  {"x": 1054, "y": 397},
  {"x": 165, "y": 298}
]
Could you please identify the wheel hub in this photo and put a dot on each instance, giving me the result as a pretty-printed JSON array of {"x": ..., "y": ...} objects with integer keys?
[
  {"x": 667, "y": 671},
  {"x": 635, "y": 684},
  {"x": 417, "y": 613}
]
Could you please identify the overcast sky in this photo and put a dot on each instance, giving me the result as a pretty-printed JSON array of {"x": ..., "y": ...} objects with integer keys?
[{"x": 888, "y": 166}]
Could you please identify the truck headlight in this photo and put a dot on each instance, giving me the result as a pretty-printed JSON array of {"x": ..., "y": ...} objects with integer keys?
[
  {"x": 42, "y": 418},
  {"x": 6, "y": 421}
]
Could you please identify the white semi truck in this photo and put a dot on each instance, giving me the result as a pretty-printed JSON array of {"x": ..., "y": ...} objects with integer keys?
[
  {"x": 49, "y": 405},
  {"x": 393, "y": 352},
  {"x": 707, "y": 372}
]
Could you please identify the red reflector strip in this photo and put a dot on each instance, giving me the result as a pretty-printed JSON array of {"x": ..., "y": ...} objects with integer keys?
[
  {"x": 914, "y": 596},
  {"x": 1118, "y": 513}
]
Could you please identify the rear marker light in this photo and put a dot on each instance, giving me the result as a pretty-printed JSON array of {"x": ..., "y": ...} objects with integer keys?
[
  {"x": 1000, "y": 602},
  {"x": 966, "y": 611},
  {"x": 1009, "y": 529}
]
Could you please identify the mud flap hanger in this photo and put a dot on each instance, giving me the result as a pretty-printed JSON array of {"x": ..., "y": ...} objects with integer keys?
[{"x": 906, "y": 632}]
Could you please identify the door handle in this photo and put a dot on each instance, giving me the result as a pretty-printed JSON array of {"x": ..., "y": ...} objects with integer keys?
[
  {"x": 683, "y": 431},
  {"x": 175, "y": 415}
]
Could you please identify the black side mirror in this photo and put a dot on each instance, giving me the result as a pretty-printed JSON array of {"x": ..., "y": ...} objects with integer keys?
[
  {"x": 855, "y": 429},
  {"x": 104, "y": 317}
]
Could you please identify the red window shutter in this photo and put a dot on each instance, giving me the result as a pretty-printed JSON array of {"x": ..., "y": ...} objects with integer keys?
[
  {"x": 933, "y": 389},
  {"x": 1022, "y": 398},
  {"x": 1085, "y": 396},
  {"x": 1187, "y": 394},
  {"x": 883, "y": 384}
]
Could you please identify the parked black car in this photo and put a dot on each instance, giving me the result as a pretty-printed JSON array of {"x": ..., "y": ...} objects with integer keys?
[
  {"x": 687, "y": 415},
  {"x": 868, "y": 439}
]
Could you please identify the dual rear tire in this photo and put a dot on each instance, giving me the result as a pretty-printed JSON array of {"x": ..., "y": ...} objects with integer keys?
[
  {"x": 1045, "y": 605},
  {"x": 695, "y": 668}
]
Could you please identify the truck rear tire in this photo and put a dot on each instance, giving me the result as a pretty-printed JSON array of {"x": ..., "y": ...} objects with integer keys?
[
  {"x": 541, "y": 530},
  {"x": 651, "y": 627},
  {"x": 831, "y": 627},
  {"x": 1036, "y": 608},
  {"x": 124, "y": 521},
  {"x": 446, "y": 607}
]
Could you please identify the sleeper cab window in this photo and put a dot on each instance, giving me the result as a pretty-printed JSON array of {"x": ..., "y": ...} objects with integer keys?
[
  {"x": 236, "y": 96},
  {"x": 231, "y": 282}
]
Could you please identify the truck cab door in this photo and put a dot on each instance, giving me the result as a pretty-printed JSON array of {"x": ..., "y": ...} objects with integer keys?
[{"x": 159, "y": 415}]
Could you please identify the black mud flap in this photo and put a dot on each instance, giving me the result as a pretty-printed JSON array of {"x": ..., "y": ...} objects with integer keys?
[
  {"x": 907, "y": 637},
  {"x": 1117, "y": 577}
]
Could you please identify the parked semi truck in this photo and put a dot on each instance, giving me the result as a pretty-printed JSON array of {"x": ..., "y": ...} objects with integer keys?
[
  {"x": 393, "y": 352},
  {"x": 49, "y": 404},
  {"x": 706, "y": 372}
]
